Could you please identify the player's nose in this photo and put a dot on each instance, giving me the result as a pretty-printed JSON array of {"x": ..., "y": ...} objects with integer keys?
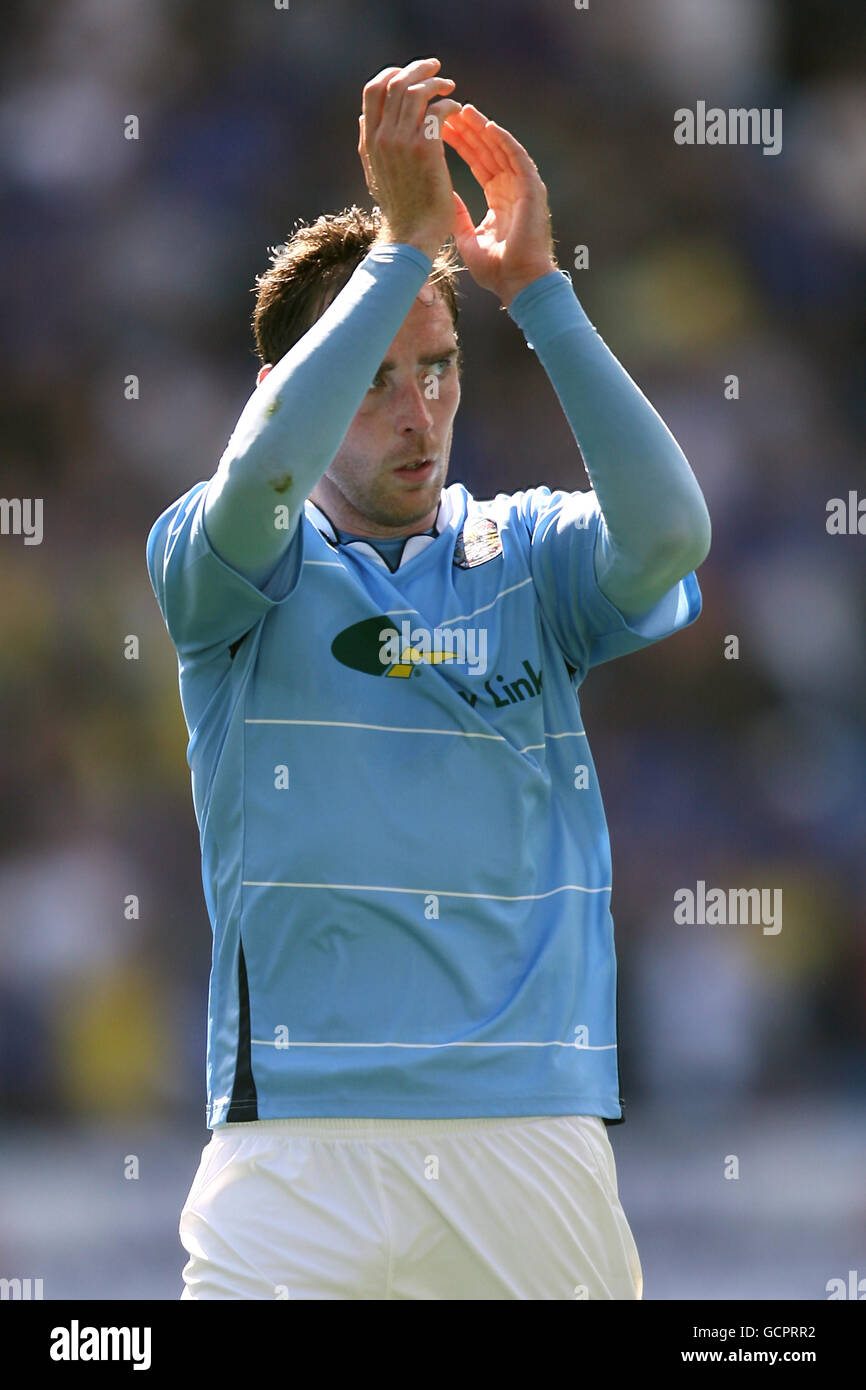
[{"x": 413, "y": 409}]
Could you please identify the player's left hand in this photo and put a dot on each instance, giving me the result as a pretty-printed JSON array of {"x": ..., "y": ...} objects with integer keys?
[{"x": 513, "y": 244}]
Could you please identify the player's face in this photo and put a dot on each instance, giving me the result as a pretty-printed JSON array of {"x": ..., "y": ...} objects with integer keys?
[{"x": 407, "y": 415}]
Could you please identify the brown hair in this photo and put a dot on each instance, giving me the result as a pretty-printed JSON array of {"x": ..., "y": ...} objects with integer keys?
[{"x": 308, "y": 271}]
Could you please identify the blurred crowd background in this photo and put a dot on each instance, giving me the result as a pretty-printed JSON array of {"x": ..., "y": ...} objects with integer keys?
[{"x": 138, "y": 256}]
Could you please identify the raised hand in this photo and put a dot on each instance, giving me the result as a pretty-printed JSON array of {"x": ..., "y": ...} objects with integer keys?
[
  {"x": 513, "y": 243},
  {"x": 403, "y": 157}
]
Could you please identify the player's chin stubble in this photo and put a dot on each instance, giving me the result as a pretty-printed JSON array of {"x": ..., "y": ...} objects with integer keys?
[{"x": 390, "y": 503}]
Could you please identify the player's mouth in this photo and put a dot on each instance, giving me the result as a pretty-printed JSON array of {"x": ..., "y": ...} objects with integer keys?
[{"x": 416, "y": 471}]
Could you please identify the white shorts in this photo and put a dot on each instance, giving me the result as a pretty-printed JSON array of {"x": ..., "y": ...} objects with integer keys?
[{"x": 487, "y": 1208}]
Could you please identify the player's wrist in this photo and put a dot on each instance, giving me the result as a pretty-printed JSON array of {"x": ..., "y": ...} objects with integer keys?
[
  {"x": 509, "y": 290},
  {"x": 424, "y": 241}
]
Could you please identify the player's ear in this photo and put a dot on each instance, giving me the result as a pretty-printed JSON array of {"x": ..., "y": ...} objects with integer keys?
[{"x": 263, "y": 371}]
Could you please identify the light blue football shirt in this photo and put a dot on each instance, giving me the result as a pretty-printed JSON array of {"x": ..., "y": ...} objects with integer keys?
[{"x": 405, "y": 856}]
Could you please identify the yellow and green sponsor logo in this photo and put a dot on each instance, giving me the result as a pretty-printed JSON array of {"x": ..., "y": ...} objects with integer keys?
[{"x": 378, "y": 647}]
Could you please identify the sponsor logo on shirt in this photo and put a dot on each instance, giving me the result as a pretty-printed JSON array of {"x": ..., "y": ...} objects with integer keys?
[{"x": 377, "y": 647}]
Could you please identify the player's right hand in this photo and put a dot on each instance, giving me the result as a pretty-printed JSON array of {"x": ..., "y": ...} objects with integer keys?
[{"x": 404, "y": 166}]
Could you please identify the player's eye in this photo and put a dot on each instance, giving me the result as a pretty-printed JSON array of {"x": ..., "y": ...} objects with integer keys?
[{"x": 442, "y": 365}]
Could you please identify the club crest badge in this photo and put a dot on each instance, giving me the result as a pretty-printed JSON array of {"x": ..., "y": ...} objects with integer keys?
[{"x": 478, "y": 542}]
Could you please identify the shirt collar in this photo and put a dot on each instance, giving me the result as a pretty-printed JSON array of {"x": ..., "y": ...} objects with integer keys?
[{"x": 414, "y": 544}]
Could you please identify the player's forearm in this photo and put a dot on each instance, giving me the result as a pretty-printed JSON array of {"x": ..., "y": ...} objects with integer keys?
[
  {"x": 656, "y": 524},
  {"x": 295, "y": 421}
]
